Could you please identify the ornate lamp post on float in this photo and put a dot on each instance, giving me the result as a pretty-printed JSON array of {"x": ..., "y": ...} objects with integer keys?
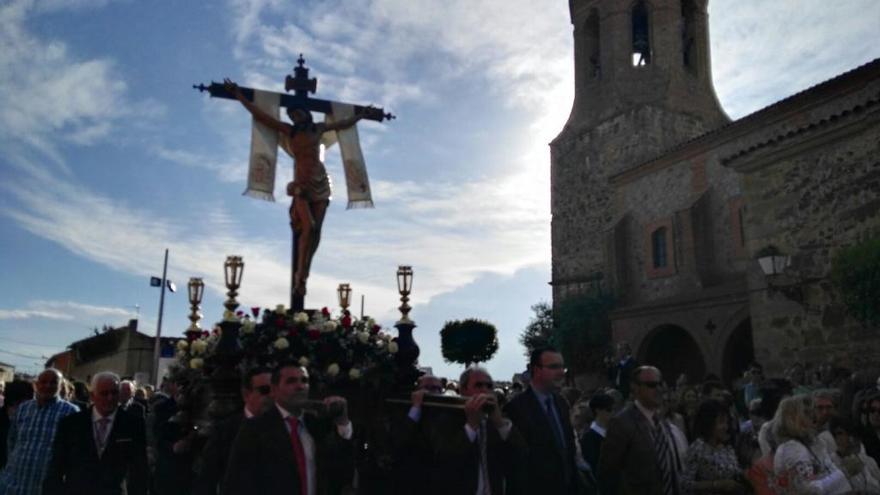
[
  {"x": 408, "y": 350},
  {"x": 226, "y": 399},
  {"x": 195, "y": 290},
  {"x": 344, "y": 295}
]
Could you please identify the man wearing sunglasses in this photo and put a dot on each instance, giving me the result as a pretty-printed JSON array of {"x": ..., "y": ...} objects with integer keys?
[
  {"x": 543, "y": 418},
  {"x": 256, "y": 392},
  {"x": 641, "y": 453}
]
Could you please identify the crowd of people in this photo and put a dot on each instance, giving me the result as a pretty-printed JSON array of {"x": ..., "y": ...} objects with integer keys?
[{"x": 813, "y": 431}]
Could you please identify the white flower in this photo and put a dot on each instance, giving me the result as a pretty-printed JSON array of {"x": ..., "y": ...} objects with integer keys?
[
  {"x": 370, "y": 323},
  {"x": 329, "y": 326},
  {"x": 363, "y": 337},
  {"x": 229, "y": 316},
  {"x": 248, "y": 326},
  {"x": 182, "y": 345},
  {"x": 304, "y": 361},
  {"x": 385, "y": 336},
  {"x": 181, "y": 355},
  {"x": 380, "y": 343},
  {"x": 199, "y": 346},
  {"x": 301, "y": 318},
  {"x": 196, "y": 363},
  {"x": 392, "y": 347},
  {"x": 281, "y": 343},
  {"x": 280, "y": 308},
  {"x": 333, "y": 370},
  {"x": 354, "y": 373}
]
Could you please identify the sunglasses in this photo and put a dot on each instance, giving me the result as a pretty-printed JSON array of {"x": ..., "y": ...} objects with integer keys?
[
  {"x": 555, "y": 366},
  {"x": 486, "y": 385},
  {"x": 650, "y": 384},
  {"x": 263, "y": 389}
]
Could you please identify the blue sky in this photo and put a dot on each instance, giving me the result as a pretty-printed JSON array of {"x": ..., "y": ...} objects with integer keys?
[{"x": 107, "y": 156}]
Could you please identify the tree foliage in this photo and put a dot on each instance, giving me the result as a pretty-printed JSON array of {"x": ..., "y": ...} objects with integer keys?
[
  {"x": 580, "y": 328},
  {"x": 539, "y": 331},
  {"x": 855, "y": 271},
  {"x": 468, "y": 341}
]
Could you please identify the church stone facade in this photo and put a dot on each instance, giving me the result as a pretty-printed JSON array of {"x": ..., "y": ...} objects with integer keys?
[{"x": 658, "y": 197}]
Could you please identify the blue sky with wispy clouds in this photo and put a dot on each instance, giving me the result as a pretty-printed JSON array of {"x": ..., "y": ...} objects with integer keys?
[{"x": 108, "y": 155}]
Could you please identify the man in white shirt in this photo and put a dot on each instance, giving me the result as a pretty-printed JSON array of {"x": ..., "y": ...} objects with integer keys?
[{"x": 288, "y": 450}]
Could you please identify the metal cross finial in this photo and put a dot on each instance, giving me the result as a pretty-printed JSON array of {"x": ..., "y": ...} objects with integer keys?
[{"x": 300, "y": 83}]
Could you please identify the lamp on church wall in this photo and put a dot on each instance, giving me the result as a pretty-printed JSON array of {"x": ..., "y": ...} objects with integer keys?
[{"x": 776, "y": 267}]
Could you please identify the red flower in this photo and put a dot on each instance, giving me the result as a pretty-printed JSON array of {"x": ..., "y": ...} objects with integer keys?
[
  {"x": 314, "y": 334},
  {"x": 375, "y": 329},
  {"x": 293, "y": 332},
  {"x": 279, "y": 322},
  {"x": 325, "y": 312},
  {"x": 255, "y": 311},
  {"x": 205, "y": 333},
  {"x": 346, "y": 321},
  {"x": 239, "y": 313}
]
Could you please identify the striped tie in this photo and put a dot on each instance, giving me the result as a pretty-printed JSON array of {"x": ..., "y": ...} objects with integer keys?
[{"x": 664, "y": 457}]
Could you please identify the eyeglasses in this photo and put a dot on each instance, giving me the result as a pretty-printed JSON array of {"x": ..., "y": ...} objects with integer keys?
[
  {"x": 434, "y": 389},
  {"x": 485, "y": 385},
  {"x": 263, "y": 389},
  {"x": 650, "y": 384}
]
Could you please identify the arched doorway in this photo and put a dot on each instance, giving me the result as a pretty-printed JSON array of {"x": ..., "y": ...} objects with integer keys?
[
  {"x": 739, "y": 351},
  {"x": 671, "y": 349}
]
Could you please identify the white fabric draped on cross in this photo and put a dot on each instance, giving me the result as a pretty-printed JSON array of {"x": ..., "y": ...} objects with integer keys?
[{"x": 264, "y": 153}]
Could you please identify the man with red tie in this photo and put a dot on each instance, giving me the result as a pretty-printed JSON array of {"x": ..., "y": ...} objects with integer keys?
[{"x": 289, "y": 450}]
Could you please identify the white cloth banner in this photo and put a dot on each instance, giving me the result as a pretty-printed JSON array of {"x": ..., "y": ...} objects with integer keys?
[
  {"x": 356, "y": 181},
  {"x": 264, "y": 149}
]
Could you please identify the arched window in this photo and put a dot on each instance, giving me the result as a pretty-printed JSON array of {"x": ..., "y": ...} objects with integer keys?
[
  {"x": 641, "y": 35},
  {"x": 658, "y": 248},
  {"x": 689, "y": 34}
]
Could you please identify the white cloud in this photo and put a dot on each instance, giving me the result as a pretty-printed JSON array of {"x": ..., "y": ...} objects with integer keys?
[
  {"x": 48, "y": 96},
  {"x": 24, "y": 314}
]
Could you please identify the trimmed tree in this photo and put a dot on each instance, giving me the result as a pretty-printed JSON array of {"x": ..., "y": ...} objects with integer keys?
[
  {"x": 856, "y": 273},
  {"x": 468, "y": 341},
  {"x": 539, "y": 331}
]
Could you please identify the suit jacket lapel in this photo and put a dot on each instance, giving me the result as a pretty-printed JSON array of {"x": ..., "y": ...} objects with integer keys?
[{"x": 279, "y": 437}]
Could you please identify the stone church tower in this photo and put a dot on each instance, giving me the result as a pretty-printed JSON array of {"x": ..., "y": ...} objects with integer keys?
[{"x": 643, "y": 84}]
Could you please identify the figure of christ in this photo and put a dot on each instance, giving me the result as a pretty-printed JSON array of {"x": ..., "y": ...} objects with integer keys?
[{"x": 310, "y": 188}]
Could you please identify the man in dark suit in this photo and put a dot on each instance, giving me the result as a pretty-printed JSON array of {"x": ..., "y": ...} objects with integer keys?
[
  {"x": 127, "y": 402},
  {"x": 621, "y": 370},
  {"x": 255, "y": 390},
  {"x": 482, "y": 452},
  {"x": 100, "y": 450},
  {"x": 591, "y": 441},
  {"x": 289, "y": 451},
  {"x": 640, "y": 454},
  {"x": 543, "y": 419}
]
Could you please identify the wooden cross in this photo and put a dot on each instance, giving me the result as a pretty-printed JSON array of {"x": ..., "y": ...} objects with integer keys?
[{"x": 301, "y": 86}]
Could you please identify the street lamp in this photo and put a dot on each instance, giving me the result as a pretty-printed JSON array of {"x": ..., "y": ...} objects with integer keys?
[
  {"x": 404, "y": 286},
  {"x": 344, "y": 294},
  {"x": 195, "y": 289},
  {"x": 232, "y": 269}
]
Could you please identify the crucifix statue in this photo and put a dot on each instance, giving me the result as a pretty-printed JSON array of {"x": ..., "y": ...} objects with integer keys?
[{"x": 301, "y": 139}]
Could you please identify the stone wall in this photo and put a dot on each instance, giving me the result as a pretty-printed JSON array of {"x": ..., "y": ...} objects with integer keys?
[{"x": 810, "y": 194}]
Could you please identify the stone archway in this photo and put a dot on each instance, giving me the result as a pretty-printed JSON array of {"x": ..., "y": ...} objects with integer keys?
[
  {"x": 739, "y": 351},
  {"x": 672, "y": 349}
]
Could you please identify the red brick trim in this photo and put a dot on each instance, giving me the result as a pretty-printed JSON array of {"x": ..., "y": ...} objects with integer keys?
[{"x": 736, "y": 205}]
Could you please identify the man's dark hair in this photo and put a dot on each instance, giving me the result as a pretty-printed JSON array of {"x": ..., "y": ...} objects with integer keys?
[
  {"x": 535, "y": 355},
  {"x": 18, "y": 391},
  {"x": 80, "y": 391},
  {"x": 276, "y": 373},
  {"x": 601, "y": 402},
  {"x": 704, "y": 420},
  {"x": 247, "y": 378},
  {"x": 845, "y": 424}
]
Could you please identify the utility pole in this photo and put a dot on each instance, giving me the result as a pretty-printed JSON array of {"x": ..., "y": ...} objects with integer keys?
[{"x": 157, "y": 345}]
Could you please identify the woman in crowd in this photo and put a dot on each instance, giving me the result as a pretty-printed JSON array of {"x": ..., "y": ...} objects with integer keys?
[
  {"x": 689, "y": 400},
  {"x": 711, "y": 465},
  {"x": 847, "y": 446},
  {"x": 801, "y": 464},
  {"x": 871, "y": 426}
]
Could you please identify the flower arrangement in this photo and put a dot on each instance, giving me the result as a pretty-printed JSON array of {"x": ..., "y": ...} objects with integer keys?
[{"x": 337, "y": 352}]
